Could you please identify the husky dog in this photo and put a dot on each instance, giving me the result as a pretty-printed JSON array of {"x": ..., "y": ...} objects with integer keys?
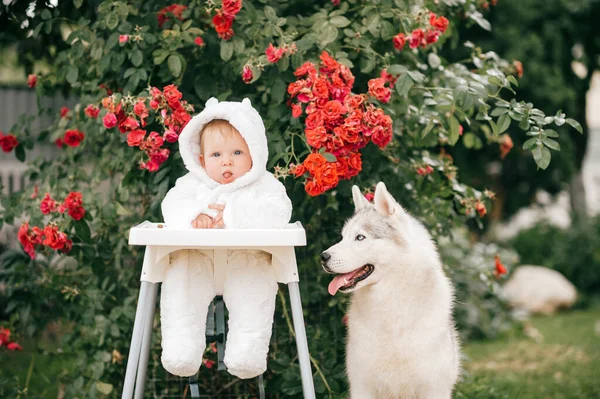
[{"x": 402, "y": 342}]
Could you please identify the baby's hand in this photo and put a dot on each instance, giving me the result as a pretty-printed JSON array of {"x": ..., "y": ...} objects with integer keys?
[
  {"x": 218, "y": 220},
  {"x": 203, "y": 221}
]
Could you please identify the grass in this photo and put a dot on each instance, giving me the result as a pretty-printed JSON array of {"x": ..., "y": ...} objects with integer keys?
[{"x": 554, "y": 357}]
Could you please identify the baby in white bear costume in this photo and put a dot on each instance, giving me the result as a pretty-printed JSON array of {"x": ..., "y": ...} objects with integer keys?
[{"x": 227, "y": 186}]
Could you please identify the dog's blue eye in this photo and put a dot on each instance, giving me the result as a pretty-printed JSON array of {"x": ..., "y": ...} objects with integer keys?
[{"x": 360, "y": 237}]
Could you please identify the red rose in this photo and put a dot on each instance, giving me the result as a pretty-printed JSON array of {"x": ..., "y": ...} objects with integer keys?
[
  {"x": 314, "y": 120},
  {"x": 274, "y": 54},
  {"x": 25, "y": 240},
  {"x": 13, "y": 346},
  {"x": 329, "y": 64},
  {"x": 439, "y": 23},
  {"x": 355, "y": 163},
  {"x": 154, "y": 141},
  {"x": 500, "y": 268},
  {"x": 92, "y": 111},
  {"x": 4, "y": 336},
  {"x": 333, "y": 110},
  {"x": 381, "y": 136},
  {"x": 173, "y": 96},
  {"x": 77, "y": 213},
  {"x": 64, "y": 111},
  {"x": 170, "y": 136},
  {"x": 199, "y": 41},
  {"x": 32, "y": 81},
  {"x": 296, "y": 110},
  {"x": 320, "y": 88},
  {"x": 159, "y": 155},
  {"x": 52, "y": 238},
  {"x": 222, "y": 25},
  {"x": 399, "y": 41},
  {"x": 417, "y": 37},
  {"x": 8, "y": 142},
  {"x": 313, "y": 188},
  {"x": 388, "y": 77},
  {"x": 247, "y": 74},
  {"x": 314, "y": 162},
  {"x": 73, "y": 200},
  {"x": 304, "y": 69},
  {"x": 316, "y": 137},
  {"x": 175, "y": 9},
  {"x": 354, "y": 101},
  {"x": 151, "y": 166},
  {"x": 109, "y": 120},
  {"x": 128, "y": 124},
  {"x": 480, "y": 208},
  {"x": 231, "y": 7},
  {"x": 47, "y": 205},
  {"x": 506, "y": 144},
  {"x": 123, "y": 38},
  {"x": 73, "y": 137},
  {"x": 431, "y": 36},
  {"x": 378, "y": 90},
  {"x": 135, "y": 137}
]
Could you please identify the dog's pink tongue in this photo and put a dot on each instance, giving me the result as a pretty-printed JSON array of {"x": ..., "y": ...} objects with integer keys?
[{"x": 338, "y": 282}]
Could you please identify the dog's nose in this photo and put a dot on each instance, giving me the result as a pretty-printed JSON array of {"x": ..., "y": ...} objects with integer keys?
[{"x": 325, "y": 256}]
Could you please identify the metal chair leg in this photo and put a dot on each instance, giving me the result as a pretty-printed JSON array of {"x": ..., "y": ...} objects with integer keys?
[
  {"x": 146, "y": 340},
  {"x": 302, "y": 344},
  {"x": 136, "y": 343}
]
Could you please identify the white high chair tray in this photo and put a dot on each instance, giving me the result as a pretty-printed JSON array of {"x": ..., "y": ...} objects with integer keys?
[{"x": 147, "y": 233}]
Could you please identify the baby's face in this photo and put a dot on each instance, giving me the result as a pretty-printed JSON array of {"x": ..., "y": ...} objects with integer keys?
[{"x": 225, "y": 159}]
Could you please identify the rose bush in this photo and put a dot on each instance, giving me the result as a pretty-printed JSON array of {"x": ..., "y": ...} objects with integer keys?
[{"x": 328, "y": 79}]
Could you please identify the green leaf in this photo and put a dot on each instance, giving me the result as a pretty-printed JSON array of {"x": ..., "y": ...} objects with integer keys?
[
  {"x": 174, "y": 64},
  {"x": 46, "y": 14},
  {"x": 238, "y": 45},
  {"x": 495, "y": 81},
  {"x": 427, "y": 129},
  {"x": 329, "y": 157},
  {"x": 416, "y": 76},
  {"x": 499, "y": 111},
  {"x": 104, "y": 388},
  {"x": 77, "y": 3},
  {"x": 529, "y": 144},
  {"x": 226, "y": 50},
  {"x": 278, "y": 91},
  {"x": 82, "y": 230},
  {"x": 270, "y": 13},
  {"x": 72, "y": 74},
  {"x": 552, "y": 144},
  {"x": 575, "y": 125},
  {"x": 550, "y": 133},
  {"x": 387, "y": 30},
  {"x": 512, "y": 80},
  {"x": 403, "y": 85},
  {"x": 503, "y": 123},
  {"x": 112, "y": 20},
  {"x": 542, "y": 156},
  {"x": 454, "y": 130},
  {"x": 339, "y": 21},
  {"x": 329, "y": 34},
  {"x": 397, "y": 69},
  {"x": 20, "y": 153},
  {"x": 367, "y": 64},
  {"x": 136, "y": 57},
  {"x": 186, "y": 25}
]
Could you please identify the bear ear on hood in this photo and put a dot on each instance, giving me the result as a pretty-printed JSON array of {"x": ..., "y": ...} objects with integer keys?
[
  {"x": 246, "y": 102},
  {"x": 211, "y": 101}
]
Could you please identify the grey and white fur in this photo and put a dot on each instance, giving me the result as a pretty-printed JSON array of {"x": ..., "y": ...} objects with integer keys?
[{"x": 401, "y": 341}]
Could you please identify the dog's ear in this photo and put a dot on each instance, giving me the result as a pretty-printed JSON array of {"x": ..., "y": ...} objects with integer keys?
[
  {"x": 385, "y": 203},
  {"x": 360, "y": 201}
]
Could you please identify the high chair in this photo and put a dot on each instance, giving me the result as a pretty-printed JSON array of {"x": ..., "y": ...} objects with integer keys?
[{"x": 160, "y": 241}]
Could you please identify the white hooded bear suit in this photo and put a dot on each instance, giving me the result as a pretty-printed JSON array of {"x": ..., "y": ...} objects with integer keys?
[{"x": 254, "y": 200}]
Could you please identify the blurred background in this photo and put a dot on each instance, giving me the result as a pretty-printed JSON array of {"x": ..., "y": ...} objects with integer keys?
[{"x": 532, "y": 333}]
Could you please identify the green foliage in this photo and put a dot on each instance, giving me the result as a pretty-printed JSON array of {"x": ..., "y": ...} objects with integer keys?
[
  {"x": 95, "y": 286},
  {"x": 574, "y": 251}
]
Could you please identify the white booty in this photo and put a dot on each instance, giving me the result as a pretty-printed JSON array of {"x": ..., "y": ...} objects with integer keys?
[
  {"x": 250, "y": 290},
  {"x": 185, "y": 295}
]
